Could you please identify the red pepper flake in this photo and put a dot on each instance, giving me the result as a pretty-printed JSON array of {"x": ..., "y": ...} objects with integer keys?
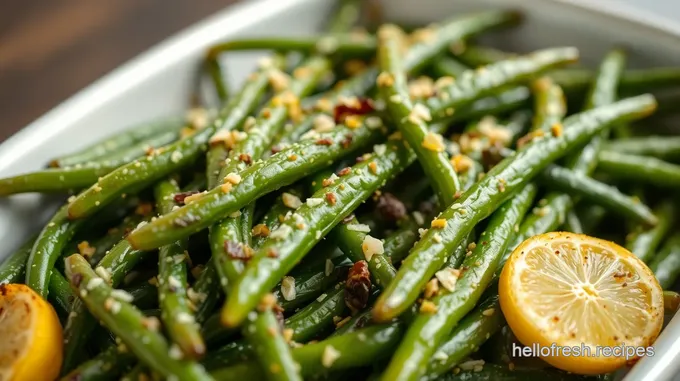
[
  {"x": 272, "y": 253},
  {"x": 330, "y": 197},
  {"x": 237, "y": 250},
  {"x": 363, "y": 106},
  {"x": 324, "y": 142},
  {"x": 179, "y": 197},
  {"x": 347, "y": 141},
  {"x": 390, "y": 207},
  {"x": 358, "y": 286},
  {"x": 244, "y": 157},
  {"x": 345, "y": 171}
]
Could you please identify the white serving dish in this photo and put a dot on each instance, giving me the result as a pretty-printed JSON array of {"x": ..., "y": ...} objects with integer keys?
[{"x": 157, "y": 83}]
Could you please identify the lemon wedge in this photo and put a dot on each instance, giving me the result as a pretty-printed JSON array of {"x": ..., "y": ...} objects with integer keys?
[
  {"x": 31, "y": 344},
  {"x": 570, "y": 290}
]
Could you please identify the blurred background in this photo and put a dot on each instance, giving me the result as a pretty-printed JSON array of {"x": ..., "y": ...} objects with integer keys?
[{"x": 51, "y": 49}]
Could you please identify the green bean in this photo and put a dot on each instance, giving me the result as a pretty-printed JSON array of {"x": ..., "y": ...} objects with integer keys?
[
  {"x": 47, "y": 248},
  {"x": 550, "y": 214},
  {"x": 476, "y": 84},
  {"x": 661, "y": 147},
  {"x": 589, "y": 189},
  {"x": 314, "y": 359},
  {"x": 643, "y": 169},
  {"x": 246, "y": 99},
  {"x": 55, "y": 179},
  {"x": 643, "y": 242},
  {"x": 272, "y": 350},
  {"x": 357, "y": 321},
  {"x": 119, "y": 142},
  {"x": 603, "y": 92},
  {"x": 553, "y": 209},
  {"x": 207, "y": 292},
  {"x": 419, "y": 56},
  {"x": 235, "y": 352},
  {"x": 107, "y": 365},
  {"x": 666, "y": 264},
  {"x": 309, "y": 322},
  {"x": 475, "y": 329},
  {"x": 142, "y": 148},
  {"x": 398, "y": 244},
  {"x": 247, "y": 215},
  {"x": 486, "y": 195},
  {"x": 281, "y": 169},
  {"x": 456, "y": 30},
  {"x": 550, "y": 106},
  {"x": 350, "y": 242},
  {"x": 259, "y": 137},
  {"x": 138, "y": 373},
  {"x": 504, "y": 102},
  {"x": 427, "y": 330},
  {"x": 313, "y": 279},
  {"x": 344, "y": 45},
  {"x": 428, "y": 146},
  {"x": 178, "y": 318},
  {"x": 61, "y": 296},
  {"x": 496, "y": 104},
  {"x": 572, "y": 223},
  {"x": 293, "y": 133},
  {"x": 128, "y": 323},
  {"x": 275, "y": 214},
  {"x": 318, "y": 316},
  {"x": 345, "y": 16},
  {"x": 143, "y": 172},
  {"x": 591, "y": 217},
  {"x": 312, "y": 221},
  {"x": 492, "y": 372},
  {"x": 422, "y": 54},
  {"x": 577, "y": 80},
  {"x": 214, "y": 68},
  {"x": 144, "y": 295},
  {"x": 671, "y": 302},
  {"x": 13, "y": 269},
  {"x": 115, "y": 264},
  {"x": 112, "y": 237}
]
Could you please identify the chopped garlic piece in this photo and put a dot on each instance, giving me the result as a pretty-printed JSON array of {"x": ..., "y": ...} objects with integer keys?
[
  {"x": 363, "y": 228},
  {"x": 288, "y": 288},
  {"x": 448, "y": 278},
  {"x": 371, "y": 246},
  {"x": 434, "y": 142},
  {"x": 290, "y": 200},
  {"x": 329, "y": 356}
]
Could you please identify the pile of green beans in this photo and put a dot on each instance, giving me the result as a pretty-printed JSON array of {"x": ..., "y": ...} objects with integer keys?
[{"x": 283, "y": 236}]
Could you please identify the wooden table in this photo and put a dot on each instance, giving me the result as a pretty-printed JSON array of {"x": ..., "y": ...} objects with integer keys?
[{"x": 50, "y": 49}]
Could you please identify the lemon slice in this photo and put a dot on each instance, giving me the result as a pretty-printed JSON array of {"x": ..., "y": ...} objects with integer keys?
[
  {"x": 570, "y": 290},
  {"x": 31, "y": 344}
]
